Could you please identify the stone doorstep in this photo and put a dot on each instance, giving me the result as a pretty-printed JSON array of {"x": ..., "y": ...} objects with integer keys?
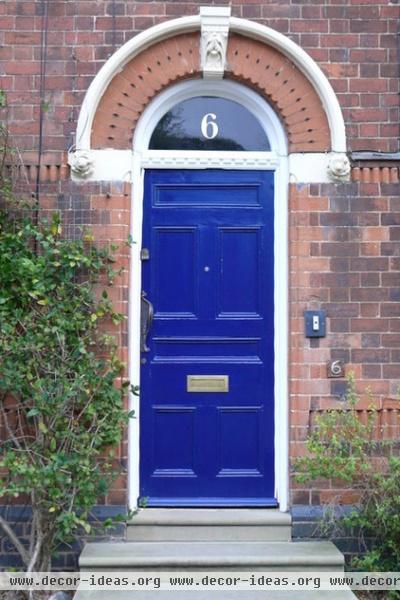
[
  {"x": 210, "y": 516},
  {"x": 212, "y": 555},
  {"x": 216, "y": 555},
  {"x": 218, "y": 525}
]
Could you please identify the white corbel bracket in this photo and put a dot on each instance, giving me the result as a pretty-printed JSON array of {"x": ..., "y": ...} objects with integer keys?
[
  {"x": 339, "y": 167},
  {"x": 214, "y": 40},
  {"x": 81, "y": 163}
]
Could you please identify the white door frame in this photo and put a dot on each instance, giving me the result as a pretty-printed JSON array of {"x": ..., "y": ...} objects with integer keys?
[{"x": 276, "y": 160}]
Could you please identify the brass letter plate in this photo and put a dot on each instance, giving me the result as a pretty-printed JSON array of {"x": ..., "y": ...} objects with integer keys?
[{"x": 207, "y": 383}]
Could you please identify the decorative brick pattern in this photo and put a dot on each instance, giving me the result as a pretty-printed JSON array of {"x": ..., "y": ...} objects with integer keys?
[
  {"x": 53, "y": 172},
  {"x": 249, "y": 61},
  {"x": 354, "y": 43},
  {"x": 285, "y": 87},
  {"x": 139, "y": 81},
  {"x": 383, "y": 415},
  {"x": 376, "y": 174}
]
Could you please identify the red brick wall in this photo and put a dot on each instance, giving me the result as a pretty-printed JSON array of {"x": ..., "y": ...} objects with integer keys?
[
  {"x": 344, "y": 252},
  {"x": 354, "y": 42},
  {"x": 344, "y": 257}
]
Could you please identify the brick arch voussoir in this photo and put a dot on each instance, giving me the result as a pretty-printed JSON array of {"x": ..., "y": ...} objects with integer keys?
[
  {"x": 284, "y": 86},
  {"x": 140, "y": 80},
  {"x": 251, "y": 62}
]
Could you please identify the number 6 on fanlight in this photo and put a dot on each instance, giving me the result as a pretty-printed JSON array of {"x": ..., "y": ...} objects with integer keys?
[{"x": 209, "y": 127}]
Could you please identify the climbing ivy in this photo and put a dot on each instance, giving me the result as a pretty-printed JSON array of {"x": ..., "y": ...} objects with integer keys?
[{"x": 61, "y": 410}]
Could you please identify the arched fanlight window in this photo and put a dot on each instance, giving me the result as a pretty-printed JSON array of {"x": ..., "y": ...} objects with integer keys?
[{"x": 209, "y": 123}]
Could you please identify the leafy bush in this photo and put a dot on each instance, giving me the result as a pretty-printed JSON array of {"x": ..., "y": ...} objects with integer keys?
[
  {"x": 343, "y": 448},
  {"x": 61, "y": 410}
]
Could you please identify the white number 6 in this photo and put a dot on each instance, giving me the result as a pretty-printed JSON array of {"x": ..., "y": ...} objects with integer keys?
[{"x": 209, "y": 127}]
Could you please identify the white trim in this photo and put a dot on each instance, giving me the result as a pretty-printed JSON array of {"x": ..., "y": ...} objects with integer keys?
[
  {"x": 135, "y": 286},
  {"x": 116, "y": 165},
  {"x": 193, "y": 23},
  {"x": 310, "y": 168},
  {"x": 275, "y": 160},
  {"x": 163, "y": 159},
  {"x": 281, "y": 333},
  {"x": 223, "y": 89},
  {"x": 108, "y": 165}
]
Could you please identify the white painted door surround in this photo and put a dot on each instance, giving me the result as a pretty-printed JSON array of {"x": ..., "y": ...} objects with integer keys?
[
  {"x": 275, "y": 160},
  {"x": 129, "y": 165}
]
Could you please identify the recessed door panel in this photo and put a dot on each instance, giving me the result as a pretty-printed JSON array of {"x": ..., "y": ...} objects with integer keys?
[
  {"x": 242, "y": 459},
  {"x": 206, "y": 349},
  {"x": 207, "y": 379},
  {"x": 174, "y": 250},
  {"x": 239, "y": 286},
  {"x": 174, "y": 441},
  {"x": 182, "y": 194}
]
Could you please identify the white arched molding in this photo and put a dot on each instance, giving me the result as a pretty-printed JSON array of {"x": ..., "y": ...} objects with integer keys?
[
  {"x": 193, "y": 23},
  {"x": 230, "y": 90}
]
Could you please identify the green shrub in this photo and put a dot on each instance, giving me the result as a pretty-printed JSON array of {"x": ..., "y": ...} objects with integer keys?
[
  {"x": 343, "y": 448},
  {"x": 61, "y": 410}
]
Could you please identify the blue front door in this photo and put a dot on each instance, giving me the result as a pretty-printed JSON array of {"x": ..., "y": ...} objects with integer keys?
[{"x": 207, "y": 379}]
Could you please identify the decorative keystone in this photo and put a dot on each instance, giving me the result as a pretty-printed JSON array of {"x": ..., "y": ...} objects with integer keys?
[
  {"x": 339, "y": 168},
  {"x": 81, "y": 163},
  {"x": 214, "y": 40}
]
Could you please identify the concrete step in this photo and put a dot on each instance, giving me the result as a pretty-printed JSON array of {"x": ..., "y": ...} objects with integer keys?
[
  {"x": 183, "y": 557},
  {"x": 205, "y": 524},
  {"x": 255, "y": 556}
]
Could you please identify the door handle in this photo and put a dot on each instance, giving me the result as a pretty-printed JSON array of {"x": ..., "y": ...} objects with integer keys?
[{"x": 146, "y": 319}]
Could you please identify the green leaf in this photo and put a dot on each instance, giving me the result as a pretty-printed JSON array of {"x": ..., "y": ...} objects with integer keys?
[
  {"x": 3, "y": 99},
  {"x": 43, "y": 302},
  {"x": 33, "y": 412},
  {"x": 43, "y": 428},
  {"x": 130, "y": 241},
  {"x": 87, "y": 527}
]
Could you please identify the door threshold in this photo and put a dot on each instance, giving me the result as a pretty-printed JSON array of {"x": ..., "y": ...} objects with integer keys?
[{"x": 154, "y": 502}]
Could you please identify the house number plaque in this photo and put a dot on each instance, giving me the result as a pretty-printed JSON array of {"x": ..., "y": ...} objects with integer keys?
[{"x": 207, "y": 383}]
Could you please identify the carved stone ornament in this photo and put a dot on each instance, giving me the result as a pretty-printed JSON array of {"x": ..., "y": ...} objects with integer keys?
[
  {"x": 81, "y": 163},
  {"x": 214, "y": 40},
  {"x": 339, "y": 168}
]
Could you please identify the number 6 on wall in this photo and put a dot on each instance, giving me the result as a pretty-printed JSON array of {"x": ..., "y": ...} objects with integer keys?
[{"x": 209, "y": 127}]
